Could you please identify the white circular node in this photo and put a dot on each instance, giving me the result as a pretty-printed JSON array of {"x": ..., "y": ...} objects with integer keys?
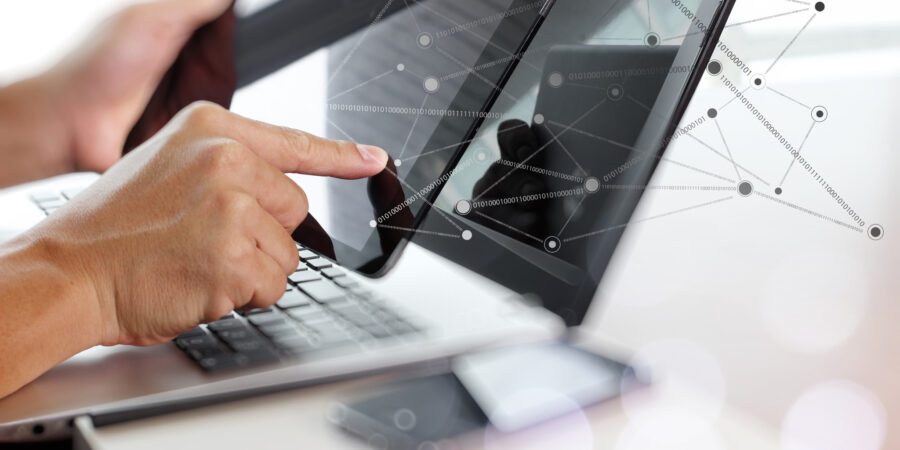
[
  {"x": 431, "y": 85},
  {"x": 615, "y": 92},
  {"x": 592, "y": 185},
  {"x": 819, "y": 114},
  {"x": 552, "y": 244},
  {"x": 463, "y": 207},
  {"x": 539, "y": 119},
  {"x": 401, "y": 67},
  {"x": 373, "y": 223},
  {"x": 404, "y": 419},
  {"x": 758, "y": 81},
  {"x": 555, "y": 80},
  {"x": 481, "y": 157},
  {"x": 652, "y": 40},
  {"x": 425, "y": 40},
  {"x": 467, "y": 235},
  {"x": 398, "y": 162},
  {"x": 336, "y": 413}
]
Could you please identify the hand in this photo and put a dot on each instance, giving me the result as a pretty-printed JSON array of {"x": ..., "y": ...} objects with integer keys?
[
  {"x": 129, "y": 80},
  {"x": 195, "y": 223}
]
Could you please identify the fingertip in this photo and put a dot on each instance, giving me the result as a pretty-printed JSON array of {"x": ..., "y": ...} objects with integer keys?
[{"x": 375, "y": 157}]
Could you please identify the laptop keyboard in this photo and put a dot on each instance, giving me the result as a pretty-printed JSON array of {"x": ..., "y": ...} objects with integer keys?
[
  {"x": 50, "y": 202},
  {"x": 322, "y": 309}
]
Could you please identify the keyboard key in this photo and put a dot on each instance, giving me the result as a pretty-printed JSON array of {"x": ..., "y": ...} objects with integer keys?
[
  {"x": 204, "y": 352},
  {"x": 71, "y": 193},
  {"x": 345, "y": 282},
  {"x": 378, "y": 331},
  {"x": 218, "y": 362},
  {"x": 301, "y": 266},
  {"x": 230, "y": 336},
  {"x": 294, "y": 299},
  {"x": 50, "y": 211},
  {"x": 307, "y": 255},
  {"x": 248, "y": 346},
  {"x": 227, "y": 324},
  {"x": 288, "y": 287},
  {"x": 307, "y": 314},
  {"x": 333, "y": 272},
  {"x": 268, "y": 318},
  {"x": 197, "y": 342},
  {"x": 53, "y": 204},
  {"x": 303, "y": 277},
  {"x": 193, "y": 332},
  {"x": 251, "y": 312},
  {"x": 278, "y": 330},
  {"x": 42, "y": 197},
  {"x": 323, "y": 291},
  {"x": 319, "y": 263},
  {"x": 354, "y": 314}
]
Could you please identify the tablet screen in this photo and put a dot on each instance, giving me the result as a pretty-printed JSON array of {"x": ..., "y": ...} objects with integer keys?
[{"x": 413, "y": 77}]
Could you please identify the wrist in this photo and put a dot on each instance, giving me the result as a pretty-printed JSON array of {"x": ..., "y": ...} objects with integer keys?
[{"x": 36, "y": 137}]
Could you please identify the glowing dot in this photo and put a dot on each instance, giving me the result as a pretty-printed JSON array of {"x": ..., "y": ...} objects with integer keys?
[
  {"x": 401, "y": 67},
  {"x": 463, "y": 207},
  {"x": 432, "y": 85},
  {"x": 404, "y": 419},
  {"x": 467, "y": 235},
  {"x": 555, "y": 79},
  {"x": 398, "y": 162},
  {"x": 373, "y": 223},
  {"x": 592, "y": 185},
  {"x": 425, "y": 40},
  {"x": 539, "y": 119}
]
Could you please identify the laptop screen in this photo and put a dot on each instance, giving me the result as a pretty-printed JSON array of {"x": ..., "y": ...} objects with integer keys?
[{"x": 539, "y": 169}]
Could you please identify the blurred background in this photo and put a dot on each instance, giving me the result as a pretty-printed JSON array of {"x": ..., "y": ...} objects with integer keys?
[{"x": 779, "y": 312}]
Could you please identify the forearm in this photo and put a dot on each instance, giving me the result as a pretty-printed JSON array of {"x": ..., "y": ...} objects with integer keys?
[
  {"x": 47, "y": 312},
  {"x": 35, "y": 141}
]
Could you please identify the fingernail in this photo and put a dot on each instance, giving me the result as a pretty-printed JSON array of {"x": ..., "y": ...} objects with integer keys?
[{"x": 371, "y": 153}]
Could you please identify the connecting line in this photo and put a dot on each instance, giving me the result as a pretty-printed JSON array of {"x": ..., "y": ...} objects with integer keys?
[
  {"x": 727, "y": 148},
  {"x": 563, "y": 146},
  {"x": 617, "y": 227},
  {"x": 536, "y": 152},
  {"x": 413, "y": 128},
  {"x": 639, "y": 103},
  {"x": 807, "y": 211},
  {"x": 769, "y": 17},
  {"x": 799, "y": 149},
  {"x": 432, "y": 233},
  {"x": 789, "y": 98},
  {"x": 341, "y": 130},
  {"x": 681, "y": 36},
  {"x": 614, "y": 39},
  {"x": 475, "y": 72},
  {"x": 790, "y": 43},
  {"x": 468, "y": 141},
  {"x": 657, "y": 157},
  {"x": 637, "y": 187},
  {"x": 359, "y": 41},
  {"x": 586, "y": 86},
  {"x": 476, "y": 35},
  {"x": 572, "y": 216},
  {"x": 728, "y": 159},
  {"x": 422, "y": 197},
  {"x": 649, "y": 18},
  {"x": 733, "y": 98},
  {"x": 506, "y": 225},
  {"x": 361, "y": 85},
  {"x": 799, "y": 1},
  {"x": 413, "y": 14}
]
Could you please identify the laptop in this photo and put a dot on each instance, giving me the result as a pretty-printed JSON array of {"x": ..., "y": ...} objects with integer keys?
[{"x": 493, "y": 196}]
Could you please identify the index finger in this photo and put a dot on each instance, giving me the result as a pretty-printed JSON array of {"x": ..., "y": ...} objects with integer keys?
[{"x": 293, "y": 151}]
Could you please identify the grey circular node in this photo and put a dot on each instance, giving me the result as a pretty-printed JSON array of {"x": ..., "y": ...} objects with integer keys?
[
  {"x": 591, "y": 185},
  {"x": 401, "y": 67},
  {"x": 378, "y": 442},
  {"x": 552, "y": 244},
  {"x": 373, "y": 223},
  {"x": 714, "y": 67},
  {"x": 758, "y": 81},
  {"x": 398, "y": 162},
  {"x": 539, "y": 119},
  {"x": 431, "y": 85},
  {"x": 745, "y": 188},
  {"x": 467, "y": 235},
  {"x": 555, "y": 79},
  {"x": 463, "y": 207},
  {"x": 778, "y": 191},
  {"x": 425, "y": 40},
  {"x": 615, "y": 92},
  {"x": 336, "y": 413},
  {"x": 876, "y": 232},
  {"x": 819, "y": 114},
  {"x": 820, "y": 6},
  {"x": 652, "y": 39},
  {"x": 712, "y": 113},
  {"x": 404, "y": 419}
]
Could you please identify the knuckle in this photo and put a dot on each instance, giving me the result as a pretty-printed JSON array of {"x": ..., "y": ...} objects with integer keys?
[
  {"x": 201, "y": 115},
  {"x": 222, "y": 158}
]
